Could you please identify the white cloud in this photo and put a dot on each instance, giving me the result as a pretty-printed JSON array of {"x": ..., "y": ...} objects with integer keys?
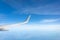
[
  {"x": 37, "y": 27},
  {"x": 49, "y": 20},
  {"x": 40, "y": 27}
]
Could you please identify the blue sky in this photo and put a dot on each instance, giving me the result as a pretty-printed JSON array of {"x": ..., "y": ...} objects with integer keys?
[
  {"x": 15, "y": 11},
  {"x": 44, "y": 22}
]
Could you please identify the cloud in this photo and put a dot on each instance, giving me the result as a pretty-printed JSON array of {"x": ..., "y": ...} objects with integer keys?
[
  {"x": 49, "y": 20},
  {"x": 35, "y": 27},
  {"x": 41, "y": 10},
  {"x": 42, "y": 7},
  {"x": 41, "y": 27}
]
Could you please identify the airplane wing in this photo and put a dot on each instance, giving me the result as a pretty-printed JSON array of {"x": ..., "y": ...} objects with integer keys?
[
  {"x": 27, "y": 20},
  {"x": 3, "y": 27},
  {"x": 21, "y": 23}
]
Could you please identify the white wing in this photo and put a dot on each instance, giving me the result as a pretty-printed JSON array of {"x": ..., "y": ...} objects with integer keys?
[
  {"x": 27, "y": 20},
  {"x": 3, "y": 27}
]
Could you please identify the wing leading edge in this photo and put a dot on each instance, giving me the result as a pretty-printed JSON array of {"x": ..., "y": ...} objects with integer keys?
[{"x": 2, "y": 27}]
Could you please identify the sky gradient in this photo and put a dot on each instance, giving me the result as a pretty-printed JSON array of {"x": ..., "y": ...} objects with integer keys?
[
  {"x": 14, "y": 11},
  {"x": 43, "y": 25}
]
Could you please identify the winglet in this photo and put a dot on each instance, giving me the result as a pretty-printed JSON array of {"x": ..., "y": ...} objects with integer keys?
[{"x": 27, "y": 20}]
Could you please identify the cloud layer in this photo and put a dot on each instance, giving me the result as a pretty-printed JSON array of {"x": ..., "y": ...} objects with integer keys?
[
  {"x": 42, "y": 7},
  {"x": 49, "y": 20}
]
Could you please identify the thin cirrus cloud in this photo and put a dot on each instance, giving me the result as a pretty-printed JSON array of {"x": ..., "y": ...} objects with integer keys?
[
  {"x": 44, "y": 7},
  {"x": 49, "y": 21}
]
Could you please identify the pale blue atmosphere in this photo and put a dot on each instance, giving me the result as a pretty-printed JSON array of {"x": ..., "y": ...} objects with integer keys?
[{"x": 44, "y": 23}]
